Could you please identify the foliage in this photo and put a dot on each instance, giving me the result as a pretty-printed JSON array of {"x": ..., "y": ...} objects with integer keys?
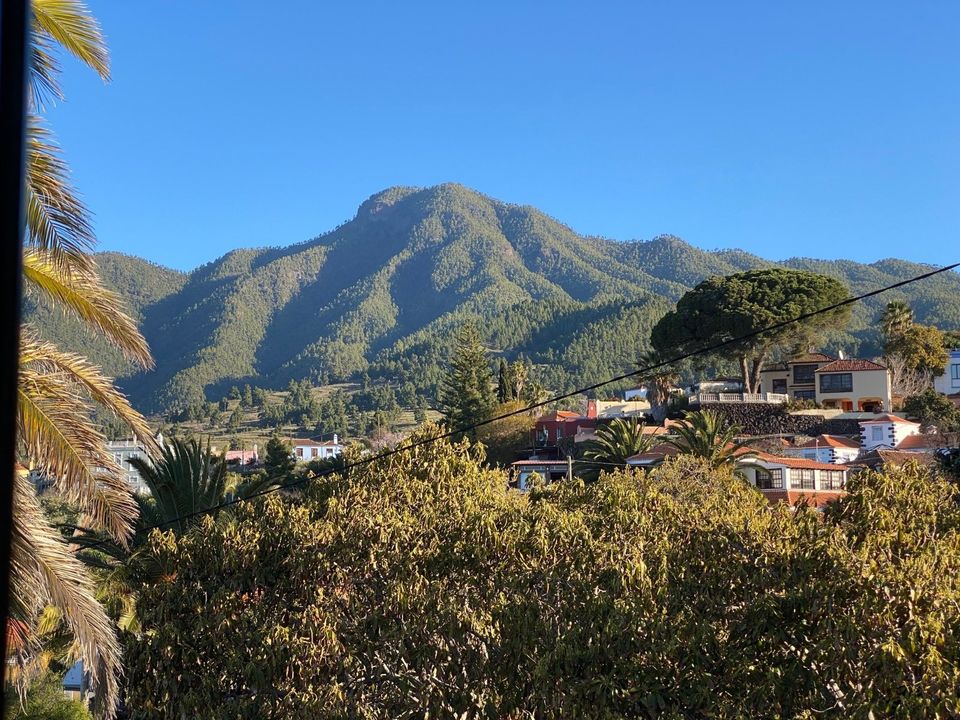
[
  {"x": 897, "y": 318},
  {"x": 722, "y": 308},
  {"x": 659, "y": 379},
  {"x": 44, "y": 701},
  {"x": 616, "y": 441},
  {"x": 505, "y": 439},
  {"x": 931, "y": 409},
  {"x": 466, "y": 394},
  {"x": 704, "y": 435},
  {"x": 278, "y": 458},
  {"x": 922, "y": 347},
  {"x": 424, "y": 587}
]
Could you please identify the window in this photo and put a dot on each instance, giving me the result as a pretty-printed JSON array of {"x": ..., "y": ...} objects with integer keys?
[
  {"x": 803, "y": 374},
  {"x": 801, "y": 479},
  {"x": 836, "y": 382},
  {"x": 313, "y": 452},
  {"x": 805, "y": 394},
  {"x": 831, "y": 479},
  {"x": 780, "y": 385},
  {"x": 876, "y": 432},
  {"x": 955, "y": 375},
  {"x": 770, "y": 479},
  {"x": 299, "y": 452}
]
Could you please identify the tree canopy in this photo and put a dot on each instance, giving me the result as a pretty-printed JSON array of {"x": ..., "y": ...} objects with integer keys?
[{"x": 723, "y": 308}]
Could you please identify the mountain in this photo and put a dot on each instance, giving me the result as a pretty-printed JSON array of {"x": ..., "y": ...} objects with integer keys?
[{"x": 381, "y": 294}]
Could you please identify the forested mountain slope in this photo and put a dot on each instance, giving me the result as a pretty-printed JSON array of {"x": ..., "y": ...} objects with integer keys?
[{"x": 381, "y": 293}]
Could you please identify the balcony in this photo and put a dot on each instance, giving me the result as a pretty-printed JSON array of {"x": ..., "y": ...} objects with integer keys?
[{"x": 772, "y": 398}]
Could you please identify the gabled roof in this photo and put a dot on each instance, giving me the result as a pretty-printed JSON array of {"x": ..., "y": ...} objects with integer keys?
[
  {"x": 834, "y": 441},
  {"x": 919, "y": 442},
  {"x": 655, "y": 454},
  {"x": 792, "y": 462},
  {"x": 810, "y": 358},
  {"x": 312, "y": 443},
  {"x": 851, "y": 365},
  {"x": 888, "y": 418}
]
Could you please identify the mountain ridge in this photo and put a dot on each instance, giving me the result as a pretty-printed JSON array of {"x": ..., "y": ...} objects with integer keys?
[{"x": 380, "y": 294}]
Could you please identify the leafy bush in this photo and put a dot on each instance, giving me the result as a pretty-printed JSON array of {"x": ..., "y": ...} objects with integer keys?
[
  {"x": 45, "y": 701},
  {"x": 421, "y": 586}
]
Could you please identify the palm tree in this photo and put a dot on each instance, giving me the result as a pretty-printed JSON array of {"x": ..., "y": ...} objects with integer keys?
[
  {"x": 659, "y": 379},
  {"x": 896, "y": 319},
  {"x": 58, "y": 390},
  {"x": 703, "y": 435},
  {"x": 616, "y": 441}
]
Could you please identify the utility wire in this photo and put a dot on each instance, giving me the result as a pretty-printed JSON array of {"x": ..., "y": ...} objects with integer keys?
[{"x": 458, "y": 431}]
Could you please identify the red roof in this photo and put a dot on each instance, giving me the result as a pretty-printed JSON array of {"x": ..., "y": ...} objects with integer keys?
[
  {"x": 798, "y": 463},
  {"x": 835, "y": 441},
  {"x": 313, "y": 443},
  {"x": 888, "y": 418},
  {"x": 852, "y": 365},
  {"x": 810, "y": 358},
  {"x": 559, "y": 416},
  {"x": 654, "y": 454},
  {"x": 919, "y": 442},
  {"x": 538, "y": 463}
]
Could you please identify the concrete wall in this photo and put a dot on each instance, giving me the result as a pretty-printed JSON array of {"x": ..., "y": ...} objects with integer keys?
[{"x": 949, "y": 382}]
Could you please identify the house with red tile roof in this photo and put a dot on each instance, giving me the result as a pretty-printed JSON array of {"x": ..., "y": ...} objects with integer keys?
[
  {"x": 306, "y": 450},
  {"x": 795, "y": 377},
  {"x": 886, "y": 431},
  {"x": 794, "y": 480},
  {"x": 854, "y": 384},
  {"x": 826, "y": 449}
]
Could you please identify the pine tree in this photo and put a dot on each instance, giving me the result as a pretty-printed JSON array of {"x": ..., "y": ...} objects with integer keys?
[
  {"x": 466, "y": 390},
  {"x": 504, "y": 390}
]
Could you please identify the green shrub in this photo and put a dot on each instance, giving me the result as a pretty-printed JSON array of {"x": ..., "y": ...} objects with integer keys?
[{"x": 421, "y": 586}]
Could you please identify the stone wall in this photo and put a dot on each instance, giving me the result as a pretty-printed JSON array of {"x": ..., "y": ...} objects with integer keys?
[{"x": 771, "y": 419}]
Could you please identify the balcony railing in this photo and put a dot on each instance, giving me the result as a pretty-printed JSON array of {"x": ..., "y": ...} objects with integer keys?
[{"x": 773, "y": 398}]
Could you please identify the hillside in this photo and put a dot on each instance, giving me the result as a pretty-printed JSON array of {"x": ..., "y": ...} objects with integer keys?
[{"x": 381, "y": 293}]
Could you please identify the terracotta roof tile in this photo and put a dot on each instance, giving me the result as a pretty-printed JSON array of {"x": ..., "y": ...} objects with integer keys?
[
  {"x": 888, "y": 418},
  {"x": 558, "y": 415},
  {"x": 836, "y": 441},
  {"x": 851, "y": 365},
  {"x": 919, "y": 442},
  {"x": 798, "y": 463}
]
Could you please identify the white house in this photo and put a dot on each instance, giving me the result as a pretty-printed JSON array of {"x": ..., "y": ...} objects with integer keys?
[
  {"x": 886, "y": 431},
  {"x": 827, "y": 449},
  {"x": 306, "y": 450},
  {"x": 949, "y": 382},
  {"x": 125, "y": 450},
  {"x": 794, "y": 480}
]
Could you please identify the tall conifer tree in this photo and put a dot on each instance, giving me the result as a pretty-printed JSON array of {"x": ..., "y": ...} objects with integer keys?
[{"x": 466, "y": 390}]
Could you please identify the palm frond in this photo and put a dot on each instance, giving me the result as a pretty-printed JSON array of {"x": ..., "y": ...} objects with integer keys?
[
  {"x": 57, "y": 220},
  {"x": 82, "y": 294},
  {"x": 44, "y": 571},
  {"x": 54, "y": 431},
  {"x": 44, "y": 70},
  {"x": 70, "y": 24},
  {"x": 48, "y": 358}
]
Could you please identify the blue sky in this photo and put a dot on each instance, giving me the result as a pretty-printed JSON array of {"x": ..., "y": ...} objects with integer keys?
[{"x": 818, "y": 129}]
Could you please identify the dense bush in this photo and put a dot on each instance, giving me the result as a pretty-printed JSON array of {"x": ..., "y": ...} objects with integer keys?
[{"x": 422, "y": 587}]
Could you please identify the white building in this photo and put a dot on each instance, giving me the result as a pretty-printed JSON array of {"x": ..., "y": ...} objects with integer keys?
[
  {"x": 949, "y": 382},
  {"x": 886, "y": 431},
  {"x": 125, "y": 450},
  {"x": 306, "y": 450},
  {"x": 794, "y": 480},
  {"x": 826, "y": 449}
]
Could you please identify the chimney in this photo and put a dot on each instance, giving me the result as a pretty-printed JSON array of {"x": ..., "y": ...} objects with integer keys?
[
  {"x": 334, "y": 438},
  {"x": 591, "y": 408},
  {"x": 841, "y": 355}
]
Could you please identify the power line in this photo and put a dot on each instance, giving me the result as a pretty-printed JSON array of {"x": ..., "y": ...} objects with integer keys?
[{"x": 458, "y": 431}]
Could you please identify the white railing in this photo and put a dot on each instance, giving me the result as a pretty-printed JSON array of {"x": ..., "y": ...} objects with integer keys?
[{"x": 742, "y": 398}]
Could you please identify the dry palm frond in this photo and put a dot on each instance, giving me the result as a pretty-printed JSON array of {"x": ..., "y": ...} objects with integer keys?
[
  {"x": 44, "y": 70},
  {"x": 81, "y": 293},
  {"x": 44, "y": 572},
  {"x": 46, "y": 357},
  {"x": 70, "y": 24},
  {"x": 56, "y": 435}
]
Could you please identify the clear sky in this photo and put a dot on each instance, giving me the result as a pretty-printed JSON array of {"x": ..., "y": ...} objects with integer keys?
[{"x": 825, "y": 129}]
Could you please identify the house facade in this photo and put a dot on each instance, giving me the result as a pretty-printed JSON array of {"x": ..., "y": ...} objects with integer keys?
[
  {"x": 949, "y": 382},
  {"x": 794, "y": 480},
  {"x": 854, "y": 385},
  {"x": 522, "y": 471},
  {"x": 125, "y": 450},
  {"x": 886, "y": 431},
  {"x": 795, "y": 378},
  {"x": 307, "y": 450}
]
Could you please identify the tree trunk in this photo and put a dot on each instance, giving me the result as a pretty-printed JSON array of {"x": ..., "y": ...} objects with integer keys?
[
  {"x": 755, "y": 372},
  {"x": 744, "y": 373}
]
